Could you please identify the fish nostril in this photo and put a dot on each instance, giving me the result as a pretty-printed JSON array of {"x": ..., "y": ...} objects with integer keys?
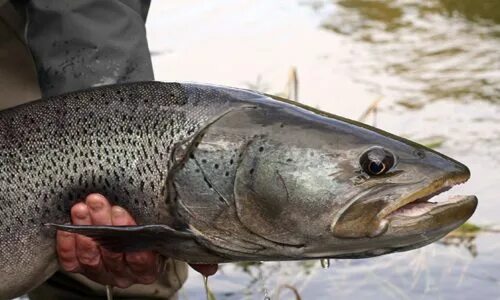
[{"x": 419, "y": 153}]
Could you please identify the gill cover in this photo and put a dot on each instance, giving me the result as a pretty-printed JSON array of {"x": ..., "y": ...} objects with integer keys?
[{"x": 223, "y": 189}]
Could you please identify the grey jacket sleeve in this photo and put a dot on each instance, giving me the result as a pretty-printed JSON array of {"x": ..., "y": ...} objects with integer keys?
[{"x": 78, "y": 44}]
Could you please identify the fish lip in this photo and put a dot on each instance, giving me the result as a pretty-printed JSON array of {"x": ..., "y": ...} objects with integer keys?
[{"x": 435, "y": 188}]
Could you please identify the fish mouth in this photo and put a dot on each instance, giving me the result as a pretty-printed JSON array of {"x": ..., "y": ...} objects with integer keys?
[{"x": 429, "y": 211}]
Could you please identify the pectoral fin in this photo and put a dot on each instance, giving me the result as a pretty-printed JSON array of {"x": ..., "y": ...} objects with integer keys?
[{"x": 130, "y": 238}]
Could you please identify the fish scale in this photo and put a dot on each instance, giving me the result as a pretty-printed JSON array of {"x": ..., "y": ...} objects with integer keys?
[
  {"x": 112, "y": 140},
  {"x": 213, "y": 174}
]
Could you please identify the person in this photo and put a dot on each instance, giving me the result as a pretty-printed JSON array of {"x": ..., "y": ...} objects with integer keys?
[{"x": 53, "y": 47}]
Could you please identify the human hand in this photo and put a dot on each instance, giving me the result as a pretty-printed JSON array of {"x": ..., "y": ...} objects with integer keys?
[{"x": 80, "y": 254}]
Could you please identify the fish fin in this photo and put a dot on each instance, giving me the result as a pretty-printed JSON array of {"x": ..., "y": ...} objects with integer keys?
[{"x": 129, "y": 238}]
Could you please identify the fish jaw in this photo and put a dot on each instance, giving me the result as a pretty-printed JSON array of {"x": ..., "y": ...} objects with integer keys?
[
  {"x": 410, "y": 227},
  {"x": 414, "y": 219},
  {"x": 431, "y": 221},
  {"x": 421, "y": 218},
  {"x": 427, "y": 193}
]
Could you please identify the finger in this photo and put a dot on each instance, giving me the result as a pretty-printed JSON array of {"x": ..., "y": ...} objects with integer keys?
[
  {"x": 120, "y": 217},
  {"x": 143, "y": 264},
  {"x": 206, "y": 270},
  {"x": 122, "y": 282},
  {"x": 100, "y": 214},
  {"x": 100, "y": 210},
  {"x": 87, "y": 251},
  {"x": 66, "y": 252}
]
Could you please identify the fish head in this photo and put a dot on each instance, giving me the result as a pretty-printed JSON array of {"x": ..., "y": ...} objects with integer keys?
[{"x": 307, "y": 184}]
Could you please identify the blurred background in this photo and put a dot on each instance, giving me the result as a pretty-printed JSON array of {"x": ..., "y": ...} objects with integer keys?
[{"x": 428, "y": 70}]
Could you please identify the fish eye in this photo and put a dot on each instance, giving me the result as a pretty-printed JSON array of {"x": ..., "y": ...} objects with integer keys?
[{"x": 376, "y": 161}]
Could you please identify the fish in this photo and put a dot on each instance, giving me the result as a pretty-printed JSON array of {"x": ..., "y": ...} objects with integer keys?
[{"x": 213, "y": 174}]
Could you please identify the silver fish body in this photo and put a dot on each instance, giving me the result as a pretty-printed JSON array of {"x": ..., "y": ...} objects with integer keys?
[{"x": 213, "y": 174}]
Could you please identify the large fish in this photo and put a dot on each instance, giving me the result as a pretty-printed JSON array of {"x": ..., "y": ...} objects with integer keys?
[{"x": 214, "y": 175}]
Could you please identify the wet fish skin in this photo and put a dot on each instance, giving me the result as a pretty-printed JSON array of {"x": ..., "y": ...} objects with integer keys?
[
  {"x": 215, "y": 175},
  {"x": 290, "y": 186},
  {"x": 113, "y": 140}
]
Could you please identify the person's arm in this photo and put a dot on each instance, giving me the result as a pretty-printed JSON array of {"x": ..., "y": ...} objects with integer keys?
[{"x": 85, "y": 43}]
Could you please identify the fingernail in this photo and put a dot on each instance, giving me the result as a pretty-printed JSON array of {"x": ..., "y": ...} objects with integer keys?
[
  {"x": 122, "y": 283},
  {"x": 117, "y": 211},
  {"x": 81, "y": 212},
  {"x": 95, "y": 204}
]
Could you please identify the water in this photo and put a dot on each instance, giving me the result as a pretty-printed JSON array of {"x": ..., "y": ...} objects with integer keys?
[
  {"x": 205, "y": 284},
  {"x": 266, "y": 295},
  {"x": 109, "y": 292},
  {"x": 325, "y": 263},
  {"x": 424, "y": 50},
  {"x": 435, "y": 67}
]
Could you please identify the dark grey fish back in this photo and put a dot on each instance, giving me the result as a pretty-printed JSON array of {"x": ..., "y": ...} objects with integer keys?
[{"x": 115, "y": 140}]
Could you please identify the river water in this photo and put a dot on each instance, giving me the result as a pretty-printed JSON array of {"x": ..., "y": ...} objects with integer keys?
[{"x": 434, "y": 65}]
